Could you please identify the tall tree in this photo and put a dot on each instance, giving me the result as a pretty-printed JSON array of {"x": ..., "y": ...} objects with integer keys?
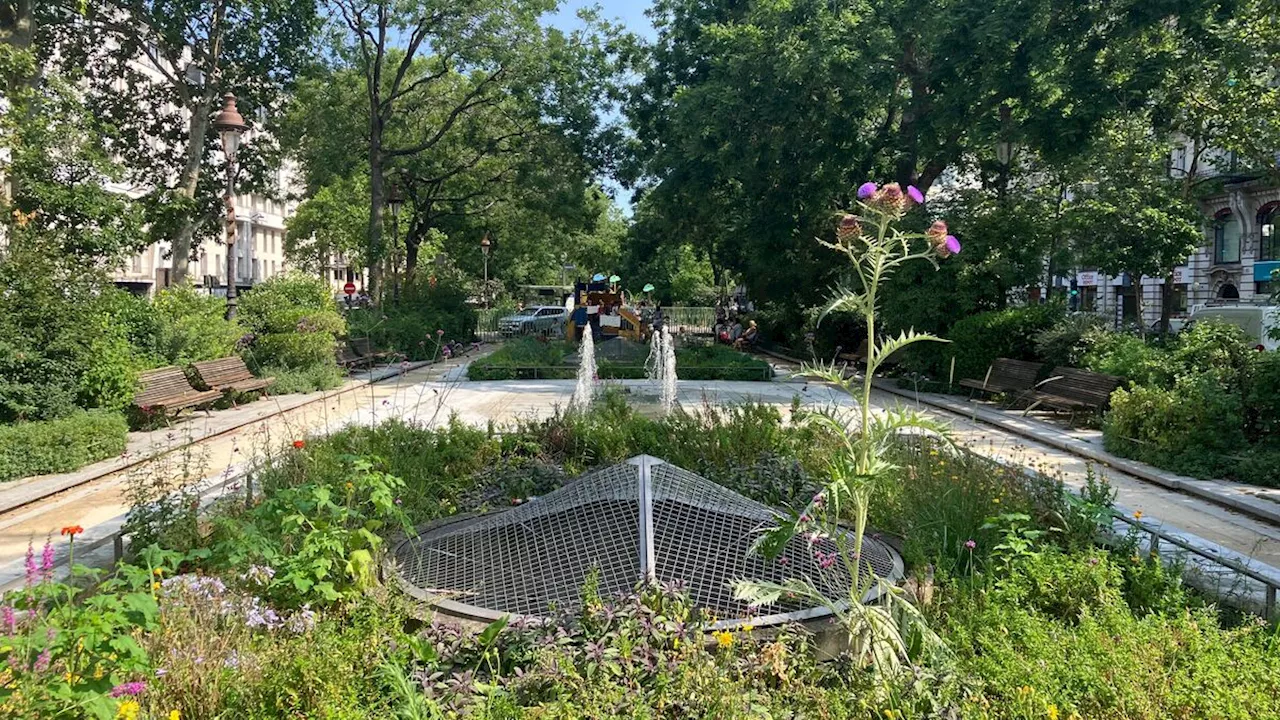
[
  {"x": 754, "y": 118},
  {"x": 155, "y": 71}
]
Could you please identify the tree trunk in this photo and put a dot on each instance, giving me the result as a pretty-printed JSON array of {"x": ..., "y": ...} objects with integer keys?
[
  {"x": 188, "y": 182},
  {"x": 1166, "y": 307},
  {"x": 376, "y": 199},
  {"x": 1137, "y": 303},
  {"x": 17, "y": 27}
]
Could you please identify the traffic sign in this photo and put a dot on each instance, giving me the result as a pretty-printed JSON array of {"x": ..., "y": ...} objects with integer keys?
[{"x": 349, "y": 288}]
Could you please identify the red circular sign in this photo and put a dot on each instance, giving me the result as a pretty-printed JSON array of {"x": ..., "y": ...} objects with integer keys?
[{"x": 349, "y": 288}]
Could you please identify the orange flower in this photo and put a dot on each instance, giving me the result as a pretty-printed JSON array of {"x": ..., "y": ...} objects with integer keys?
[
  {"x": 299, "y": 444},
  {"x": 72, "y": 530},
  {"x": 1137, "y": 515}
]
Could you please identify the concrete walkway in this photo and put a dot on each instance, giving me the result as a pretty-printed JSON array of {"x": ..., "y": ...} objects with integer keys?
[{"x": 433, "y": 394}]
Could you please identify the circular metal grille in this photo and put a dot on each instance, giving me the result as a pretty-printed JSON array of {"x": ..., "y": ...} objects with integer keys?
[{"x": 640, "y": 520}]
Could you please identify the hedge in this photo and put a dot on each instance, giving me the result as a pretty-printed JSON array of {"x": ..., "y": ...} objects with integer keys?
[{"x": 63, "y": 445}]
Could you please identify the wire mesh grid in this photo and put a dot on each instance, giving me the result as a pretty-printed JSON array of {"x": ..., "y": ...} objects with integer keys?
[{"x": 533, "y": 559}]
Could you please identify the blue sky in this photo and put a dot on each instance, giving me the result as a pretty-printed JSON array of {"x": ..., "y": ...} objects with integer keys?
[{"x": 629, "y": 12}]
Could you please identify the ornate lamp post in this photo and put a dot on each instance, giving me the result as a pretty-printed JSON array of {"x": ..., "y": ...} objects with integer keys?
[
  {"x": 484, "y": 248},
  {"x": 230, "y": 125},
  {"x": 1004, "y": 153},
  {"x": 395, "y": 199}
]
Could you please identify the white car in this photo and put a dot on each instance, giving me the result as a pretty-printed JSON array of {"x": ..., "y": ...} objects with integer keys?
[
  {"x": 538, "y": 319},
  {"x": 1260, "y": 322}
]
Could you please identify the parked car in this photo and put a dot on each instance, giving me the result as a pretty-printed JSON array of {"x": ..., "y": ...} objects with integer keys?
[
  {"x": 546, "y": 319},
  {"x": 1260, "y": 322}
]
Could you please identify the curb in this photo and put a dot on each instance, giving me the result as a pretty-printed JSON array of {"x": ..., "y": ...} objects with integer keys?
[{"x": 1200, "y": 488}]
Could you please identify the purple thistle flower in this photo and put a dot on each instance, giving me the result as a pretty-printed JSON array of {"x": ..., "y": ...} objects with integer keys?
[
  {"x": 914, "y": 193},
  {"x": 952, "y": 245},
  {"x": 970, "y": 544},
  {"x": 866, "y": 190},
  {"x": 130, "y": 689}
]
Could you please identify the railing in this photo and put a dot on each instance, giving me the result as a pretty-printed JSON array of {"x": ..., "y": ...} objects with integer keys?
[{"x": 691, "y": 319}]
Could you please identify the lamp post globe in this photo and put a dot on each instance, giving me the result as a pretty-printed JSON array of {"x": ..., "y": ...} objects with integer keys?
[{"x": 230, "y": 125}]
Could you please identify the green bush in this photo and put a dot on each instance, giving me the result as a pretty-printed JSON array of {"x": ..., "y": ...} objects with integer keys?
[
  {"x": 1193, "y": 428},
  {"x": 193, "y": 327},
  {"x": 1262, "y": 402},
  {"x": 411, "y": 327},
  {"x": 1065, "y": 342},
  {"x": 978, "y": 339},
  {"x": 63, "y": 445},
  {"x": 287, "y": 381},
  {"x": 529, "y": 358},
  {"x": 1127, "y": 356},
  {"x": 294, "y": 323}
]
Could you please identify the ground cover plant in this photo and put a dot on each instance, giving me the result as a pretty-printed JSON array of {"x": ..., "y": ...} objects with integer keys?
[
  {"x": 1036, "y": 618},
  {"x": 528, "y": 358}
]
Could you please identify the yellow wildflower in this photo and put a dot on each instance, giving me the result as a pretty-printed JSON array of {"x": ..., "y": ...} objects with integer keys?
[
  {"x": 158, "y": 571},
  {"x": 723, "y": 638},
  {"x": 350, "y": 487},
  {"x": 1137, "y": 514},
  {"x": 1051, "y": 712},
  {"x": 889, "y": 714},
  {"x": 175, "y": 715},
  {"x": 128, "y": 710},
  {"x": 1026, "y": 690},
  {"x": 155, "y": 586},
  {"x": 995, "y": 500}
]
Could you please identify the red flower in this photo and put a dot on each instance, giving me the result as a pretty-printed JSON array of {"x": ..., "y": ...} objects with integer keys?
[
  {"x": 299, "y": 444},
  {"x": 72, "y": 530}
]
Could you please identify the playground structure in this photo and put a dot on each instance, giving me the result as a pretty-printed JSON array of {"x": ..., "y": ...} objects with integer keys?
[{"x": 604, "y": 308}]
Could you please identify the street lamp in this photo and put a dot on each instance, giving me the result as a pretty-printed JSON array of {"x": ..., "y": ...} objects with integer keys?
[
  {"x": 395, "y": 199},
  {"x": 230, "y": 125},
  {"x": 484, "y": 248},
  {"x": 1004, "y": 151}
]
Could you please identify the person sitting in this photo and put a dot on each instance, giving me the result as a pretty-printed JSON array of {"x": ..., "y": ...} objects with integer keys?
[
  {"x": 735, "y": 331},
  {"x": 748, "y": 338}
]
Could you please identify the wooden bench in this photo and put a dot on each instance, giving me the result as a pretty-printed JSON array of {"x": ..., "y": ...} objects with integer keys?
[
  {"x": 1007, "y": 376},
  {"x": 347, "y": 358},
  {"x": 167, "y": 390},
  {"x": 229, "y": 374},
  {"x": 1073, "y": 389},
  {"x": 859, "y": 356},
  {"x": 364, "y": 349}
]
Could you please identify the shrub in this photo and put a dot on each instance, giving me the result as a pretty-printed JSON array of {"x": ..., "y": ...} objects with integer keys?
[
  {"x": 294, "y": 322},
  {"x": 410, "y": 327},
  {"x": 1262, "y": 402},
  {"x": 1127, "y": 356},
  {"x": 1065, "y": 342},
  {"x": 978, "y": 339},
  {"x": 1194, "y": 428},
  {"x": 318, "y": 377},
  {"x": 63, "y": 445},
  {"x": 193, "y": 327},
  {"x": 529, "y": 358}
]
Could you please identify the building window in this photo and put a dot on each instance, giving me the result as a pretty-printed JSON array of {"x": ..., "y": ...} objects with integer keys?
[
  {"x": 204, "y": 265},
  {"x": 1178, "y": 297},
  {"x": 217, "y": 266},
  {"x": 1269, "y": 241},
  {"x": 137, "y": 264},
  {"x": 1089, "y": 298},
  {"x": 1226, "y": 239}
]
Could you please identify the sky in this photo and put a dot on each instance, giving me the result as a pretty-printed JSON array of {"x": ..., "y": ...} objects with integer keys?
[{"x": 630, "y": 13}]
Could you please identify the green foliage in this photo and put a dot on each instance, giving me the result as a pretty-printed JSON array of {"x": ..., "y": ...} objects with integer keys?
[
  {"x": 192, "y": 327},
  {"x": 532, "y": 357},
  {"x": 71, "y": 646},
  {"x": 62, "y": 445},
  {"x": 294, "y": 321},
  {"x": 322, "y": 538},
  {"x": 979, "y": 339},
  {"x": 1057, "y": 632},
  {"x": 288, "y": 381},
  {"x": 431, "y": 303},
  {"x": 1128, "y": 356},
  {"x": 1064, "y": 343}
]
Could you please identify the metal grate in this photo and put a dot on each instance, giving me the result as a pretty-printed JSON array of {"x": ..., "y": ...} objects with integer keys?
[{"x": 641, "y": 519}]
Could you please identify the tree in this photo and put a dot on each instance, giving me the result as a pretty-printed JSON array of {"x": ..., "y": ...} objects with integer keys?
[
  {"x": 754, "y": 118},
  {"x": 1135, "y": 220},
  {"x": 330, "y": 222},
  {"x": 154, "y": 72},
  {"x": 485, "y": 121}
]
